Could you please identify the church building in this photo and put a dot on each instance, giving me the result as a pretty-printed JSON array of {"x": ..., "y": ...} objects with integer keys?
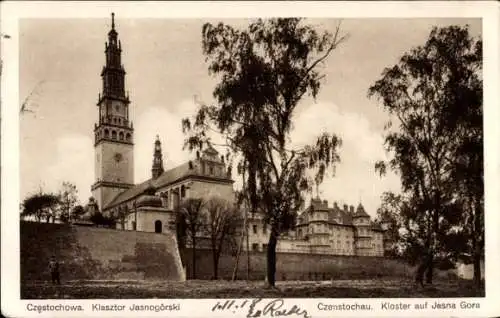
[{"x": 150, "y": 205}]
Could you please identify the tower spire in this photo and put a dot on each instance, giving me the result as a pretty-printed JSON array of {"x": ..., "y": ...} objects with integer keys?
[
  {"x": 113, "y": 132},
  {"x": 113, "y": 73},
  {"x": 157, "y": 168}
]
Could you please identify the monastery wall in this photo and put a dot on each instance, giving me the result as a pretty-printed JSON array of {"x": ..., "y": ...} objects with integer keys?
[
  {"x": 298, "y": 266},
  {"x": 97, "y": 253}
]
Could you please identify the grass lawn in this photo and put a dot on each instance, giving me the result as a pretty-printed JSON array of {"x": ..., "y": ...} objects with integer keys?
[{"x": 247, "y": 289}]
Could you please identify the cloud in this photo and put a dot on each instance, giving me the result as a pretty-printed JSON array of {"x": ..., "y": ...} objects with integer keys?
[
  {"x": 74, "y": 162},
  {"x": 355, "y": 179},
  {"x": 166, "y": 123}
]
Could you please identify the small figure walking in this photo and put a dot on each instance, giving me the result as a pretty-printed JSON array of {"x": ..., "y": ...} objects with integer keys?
[{"x": 54, "y": 270}]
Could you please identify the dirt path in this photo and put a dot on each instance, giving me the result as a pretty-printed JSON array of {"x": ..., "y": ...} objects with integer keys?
[{"x": 244, "y": 289}]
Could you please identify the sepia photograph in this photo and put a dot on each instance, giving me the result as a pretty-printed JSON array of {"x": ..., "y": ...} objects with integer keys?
[
  {"x": 251, "y": 160},
  {"x": 291, "y": 151}
]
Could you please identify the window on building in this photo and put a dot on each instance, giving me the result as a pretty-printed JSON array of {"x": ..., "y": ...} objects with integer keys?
[
  {"x": 121, "y": 136},
  {"x": 255, "y": 247},
  {"x": 254, "y": 229},
  {"x": 134, "y": 226},
  {"x": 264, "y": 247},
  {"x": 158, "y": 226},
  {"x": 211, "y": 169},
  {"x": 183, "y": 191},
  {"x": 113, "y": 134}
]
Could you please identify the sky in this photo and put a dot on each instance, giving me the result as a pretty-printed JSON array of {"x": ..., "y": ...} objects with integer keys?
[{"x": 60, "y": 63}]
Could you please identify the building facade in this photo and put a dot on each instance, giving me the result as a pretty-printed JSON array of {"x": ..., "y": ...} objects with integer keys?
[
  {"x": 150, "y": 206},
  {"x": 147, "y": 206},
  {"x": 321, "y": 229}
]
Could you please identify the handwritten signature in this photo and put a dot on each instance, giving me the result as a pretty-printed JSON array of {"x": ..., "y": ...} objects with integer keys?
[{"x": 259, "y": 308}]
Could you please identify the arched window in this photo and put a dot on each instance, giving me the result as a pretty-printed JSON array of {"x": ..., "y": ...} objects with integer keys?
[
  {"x": 113, "y": 134},
  {"x": 106, "y": 133},
  {"x": 158, "y": 226},
  {"x": 127, "y": 137},
  {"x": 121, "y": 135}
]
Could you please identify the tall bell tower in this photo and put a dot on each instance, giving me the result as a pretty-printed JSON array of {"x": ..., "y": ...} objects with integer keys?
[{"x": 114, "y": 132}]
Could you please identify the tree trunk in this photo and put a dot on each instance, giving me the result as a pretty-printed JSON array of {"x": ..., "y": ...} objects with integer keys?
[
  {"x": 243, "y": 235},
  {"x": 248, "y": 251},
  {"x": 477, "y": 269},
  {"x": 193, "y": 255},
  {"x": 271, "y": 258},
  {"x": 429, "y": 268},
  {"x": 432, "y": 243},
  {"x": 419, "y": 274},
  {"x": 476, "y": 244},
  {"x": 216, "y": 269},
  {"x": 214, "y": 260},
  {"x": 235, "y": 269}
]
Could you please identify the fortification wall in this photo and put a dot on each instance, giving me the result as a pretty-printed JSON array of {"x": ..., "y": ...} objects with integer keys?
[
  {"x": 97, "y": 253},
  {"x": 297, "y": 266}
]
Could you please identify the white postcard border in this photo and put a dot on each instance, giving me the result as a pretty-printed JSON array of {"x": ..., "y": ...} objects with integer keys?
[{"x": 13, "y": 11}]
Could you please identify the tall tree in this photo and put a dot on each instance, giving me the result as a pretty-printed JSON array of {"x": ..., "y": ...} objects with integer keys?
[
  {"x": 223, "y": 220},
  {"x": 389, "y": 218},
  {"x": 77, "y": 212},
  {"x": 264, "y": 71},
  {"x": 190, "y": 213},
  {"x": 68, "y": 200},
  {"x": 41, "y": 206},
  {"x": 428, "y": 94}
]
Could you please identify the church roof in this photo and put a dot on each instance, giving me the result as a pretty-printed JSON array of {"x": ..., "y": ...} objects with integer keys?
[
  {"x": 336, "y": 213},
  {"x": 360, "y": 212},
  {"x": 168, "y": 177}
]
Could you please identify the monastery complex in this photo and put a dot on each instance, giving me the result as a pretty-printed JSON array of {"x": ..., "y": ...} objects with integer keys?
[{"x": 150, "y": 206}]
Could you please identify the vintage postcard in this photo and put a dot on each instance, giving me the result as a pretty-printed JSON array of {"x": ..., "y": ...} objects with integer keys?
[{"x": 250, "y": 159}]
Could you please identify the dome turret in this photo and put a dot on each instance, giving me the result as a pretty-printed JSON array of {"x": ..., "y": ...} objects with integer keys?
[
  {"x": 360, "y": 212},
  {"x": 149, "y": 201},
  {"x": 148, "y": 198}
]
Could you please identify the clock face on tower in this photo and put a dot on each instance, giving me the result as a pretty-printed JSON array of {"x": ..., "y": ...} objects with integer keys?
[{"x": 118, "y": 157}]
